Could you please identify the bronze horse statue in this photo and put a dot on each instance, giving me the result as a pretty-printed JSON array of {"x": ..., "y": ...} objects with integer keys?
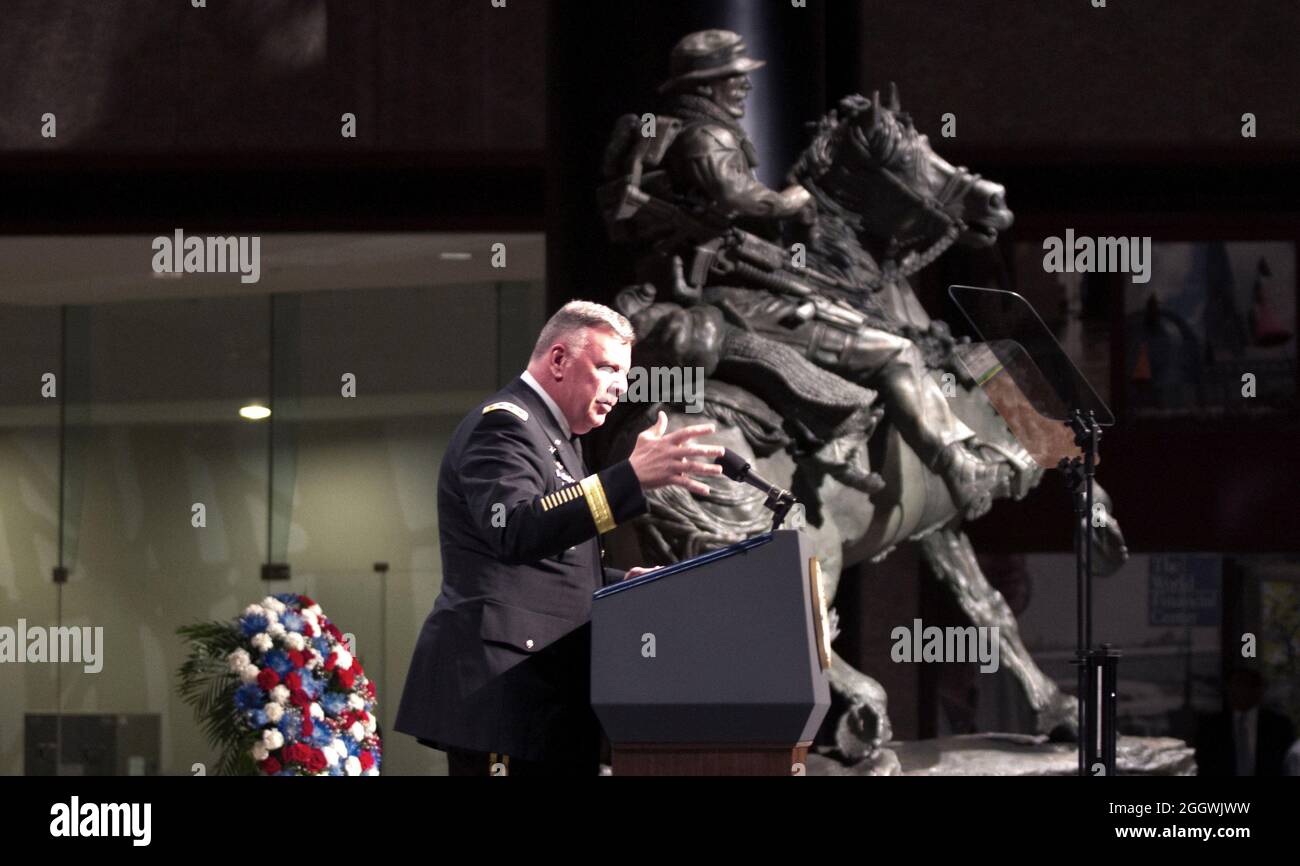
[{"x": 886, "y": 206}]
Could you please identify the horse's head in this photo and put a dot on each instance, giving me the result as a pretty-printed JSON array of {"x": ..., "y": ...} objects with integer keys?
[{"x": 869, "y": 165}]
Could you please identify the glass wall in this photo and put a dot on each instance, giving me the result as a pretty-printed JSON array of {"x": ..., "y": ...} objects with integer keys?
[{"x": 160, "y": 488}]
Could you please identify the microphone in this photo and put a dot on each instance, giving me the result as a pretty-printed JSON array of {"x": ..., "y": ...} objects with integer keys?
[{"x": 735, "y": 467}]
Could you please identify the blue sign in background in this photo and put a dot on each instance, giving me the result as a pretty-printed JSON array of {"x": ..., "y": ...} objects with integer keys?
[{"x": 1184, "y": 589}]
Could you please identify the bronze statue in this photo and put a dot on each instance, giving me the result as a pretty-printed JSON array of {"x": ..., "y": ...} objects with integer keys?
[{"x": 796, "y": 305}]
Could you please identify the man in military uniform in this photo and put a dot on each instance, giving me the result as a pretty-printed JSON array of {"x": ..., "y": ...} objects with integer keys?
[
  {"x": 709, "y": 166},
  {"x": 500, "y": 675}
]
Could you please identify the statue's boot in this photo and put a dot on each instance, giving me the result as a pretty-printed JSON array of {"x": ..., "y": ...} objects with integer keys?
[{"x": 972, "y": 480}]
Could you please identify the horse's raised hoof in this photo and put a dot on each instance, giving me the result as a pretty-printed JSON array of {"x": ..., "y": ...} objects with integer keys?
[
  {"x": 1060, "y": 719},
  {"x": 861, "y": 733}
]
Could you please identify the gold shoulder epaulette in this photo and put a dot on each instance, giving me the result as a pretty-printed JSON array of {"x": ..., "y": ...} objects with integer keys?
[{"x": 519, "y": 413}]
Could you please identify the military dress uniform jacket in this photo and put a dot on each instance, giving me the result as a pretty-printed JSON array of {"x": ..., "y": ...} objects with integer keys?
[{"x": 502, "y": 663}]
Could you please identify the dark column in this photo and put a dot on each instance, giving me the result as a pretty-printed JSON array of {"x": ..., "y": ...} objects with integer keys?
[{"x": 607, "y": 59}]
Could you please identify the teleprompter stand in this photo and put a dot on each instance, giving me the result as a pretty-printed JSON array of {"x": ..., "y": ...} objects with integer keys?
[{"x": 1041, "y": 395}]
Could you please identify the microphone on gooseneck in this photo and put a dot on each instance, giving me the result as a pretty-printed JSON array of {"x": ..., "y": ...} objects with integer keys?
[{"x": 737, "y": 469}]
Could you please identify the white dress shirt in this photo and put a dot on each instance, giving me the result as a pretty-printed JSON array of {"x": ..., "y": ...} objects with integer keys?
[{"x": 550, "y": 404}]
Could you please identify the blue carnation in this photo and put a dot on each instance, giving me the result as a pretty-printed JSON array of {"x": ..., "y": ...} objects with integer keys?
[
  {"x": 322, "y": 646},
  {"x": 278, "y": 661},
  {"x": 291, "y": 725},
  {"x": 312, "y": 685},
  {"x": 253, "y": 623},
  {"x": 290, "y": 598},
  {"x": 321, "y": 735},
  {"x": 292, "y": 621},
  {"x": 334, "y": 703},
  {"x": 354, "y": 749},
  {"x": 336, "y": 770},
  {"x": 256, "y": 718},
  {"x": 249, "y": 696}
]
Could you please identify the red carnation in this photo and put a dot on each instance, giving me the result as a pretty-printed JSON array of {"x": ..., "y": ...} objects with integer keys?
[
  {"x": 292, "y": 681},
  {"x": 356, "y": 667},
  {"x": 333, "y": 631},
  {"x": 270, "y": 766},
  {"x": 316, "y": 762},
  {"x": 346, "y": 677},
  {"x": 298, "y": 660},
  {"x": 367, "y": 760},
  {"x": 370, "y": 689},
  {"x": 299, "y": 698},
  {"x": 305, "y": 601},
  {"x": 297, "y": 754},
  {"x": 267, "y": 679},
  {"x": 307, "y": 726},
  {"x": 332, "y": 661}
]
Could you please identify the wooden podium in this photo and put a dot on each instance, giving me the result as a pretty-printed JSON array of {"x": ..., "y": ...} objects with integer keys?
[{"x": 715, "y": 665}]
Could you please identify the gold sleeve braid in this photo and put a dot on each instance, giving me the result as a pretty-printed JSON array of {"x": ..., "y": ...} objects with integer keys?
[
  {"x": 593, "y": 492},
  {"x": 561, "y": 496}
]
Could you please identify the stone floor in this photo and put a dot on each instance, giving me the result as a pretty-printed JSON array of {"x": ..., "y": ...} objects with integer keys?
[{"x": 1010, "y": 755}]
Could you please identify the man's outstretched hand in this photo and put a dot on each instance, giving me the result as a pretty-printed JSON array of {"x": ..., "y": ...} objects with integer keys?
[{"x": 662, "y": 459}]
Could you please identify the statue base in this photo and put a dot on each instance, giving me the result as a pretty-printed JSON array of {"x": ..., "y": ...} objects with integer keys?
[{"x": 1009, "y": 755}]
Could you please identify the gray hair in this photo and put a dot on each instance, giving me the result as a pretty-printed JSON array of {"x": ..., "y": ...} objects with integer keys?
[{"x": 577, "y": 316}]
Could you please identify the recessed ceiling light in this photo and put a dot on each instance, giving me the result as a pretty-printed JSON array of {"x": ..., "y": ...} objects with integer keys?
[{"x": 254, "y": 412}]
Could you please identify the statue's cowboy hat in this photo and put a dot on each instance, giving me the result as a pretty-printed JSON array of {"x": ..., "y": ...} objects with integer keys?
[{"x": 706, "y": 55}]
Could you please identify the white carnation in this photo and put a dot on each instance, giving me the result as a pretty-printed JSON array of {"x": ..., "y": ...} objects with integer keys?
[
  {"x": 373, "y": 771},
  {"x": 339, "y": 746},
  {"x": 238, "y": 660},
  {"x": 331, "y": 756},
  {"x": 274, "y": 712},
  {"x": 273, "y": 603},
  {"x": 261, "y": 642},
  {"x": 314, "y": 610},
  {"x": 371, "y": 725},
  {"x": 260, "y": 752},
  {"x": 295, "y": 641},
  {"x": 275, "y": 629},
  {"x": 248, "y": 674},
  {"x": 356, "y": 702},
  {"x": 358, "y": 731},
  {"x": 272, "y": 739},
  {"x": 344, "y": 658},
  {"x": 280, "y": 694},
  {"x": 254, "y": 610},
  {"x": 316, "y": 711},
  {"x": 352, "y": 766}
]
